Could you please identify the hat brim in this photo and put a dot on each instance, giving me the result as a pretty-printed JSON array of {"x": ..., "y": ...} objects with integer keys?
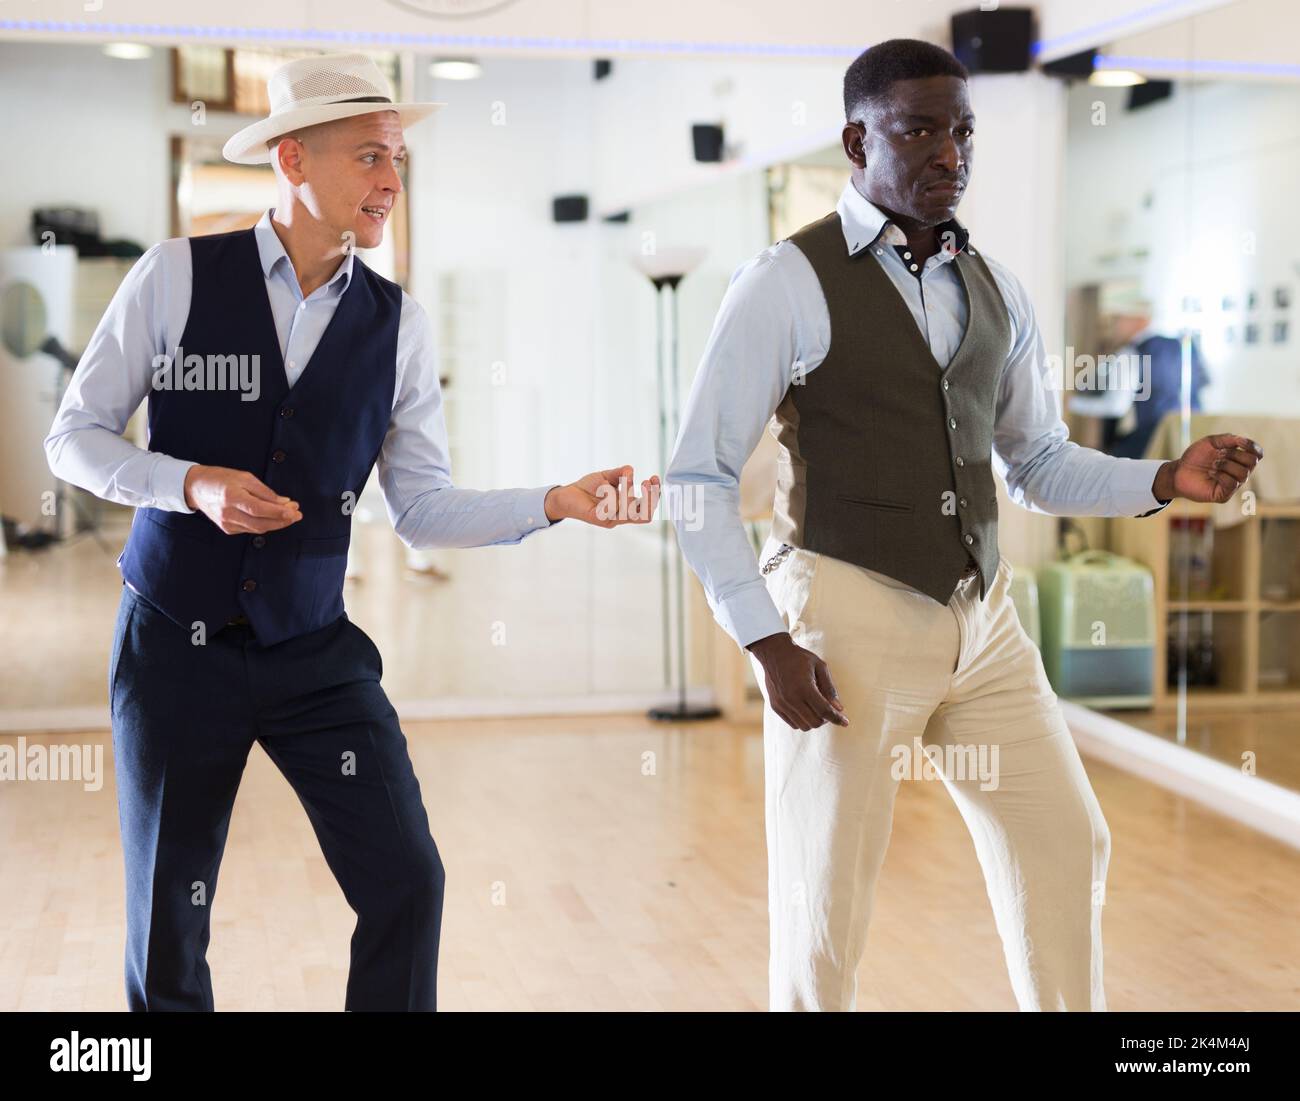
[{"x": 249, "y": 145}]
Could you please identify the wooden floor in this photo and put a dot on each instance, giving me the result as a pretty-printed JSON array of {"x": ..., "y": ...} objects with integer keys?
[{"x": 576, "y": 881}]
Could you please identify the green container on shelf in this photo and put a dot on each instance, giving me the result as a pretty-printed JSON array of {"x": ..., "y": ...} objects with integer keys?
[{"x": 1099, "y": 629}]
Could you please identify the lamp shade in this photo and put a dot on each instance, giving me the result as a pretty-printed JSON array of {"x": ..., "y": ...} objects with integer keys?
[{"x": 669, "y": 263}]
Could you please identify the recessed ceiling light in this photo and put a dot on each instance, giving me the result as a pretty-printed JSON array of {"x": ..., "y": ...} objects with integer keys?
[
  {"x": 1116, "y": 78},
  {"x": 455, "y": 69},
  {"x": 128, "y": 51}
]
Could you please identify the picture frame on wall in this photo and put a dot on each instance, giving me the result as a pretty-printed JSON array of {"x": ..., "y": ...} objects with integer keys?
[{"x": 204, "y": 74}]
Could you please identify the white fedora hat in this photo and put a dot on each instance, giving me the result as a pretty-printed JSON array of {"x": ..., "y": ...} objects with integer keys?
[{"x": 319, "y": 89}]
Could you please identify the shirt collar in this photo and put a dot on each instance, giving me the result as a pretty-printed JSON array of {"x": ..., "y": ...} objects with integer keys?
[
  {"x": 271, "y": 250},
  {"x": 864, "y": 223}
]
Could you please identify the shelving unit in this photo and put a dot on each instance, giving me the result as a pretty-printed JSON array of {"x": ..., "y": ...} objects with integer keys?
[{"x": 1252, "y": 609}]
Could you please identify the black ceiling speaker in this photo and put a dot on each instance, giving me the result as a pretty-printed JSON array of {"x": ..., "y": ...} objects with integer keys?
[
  {"x": 1078, "y": 66},
  {"x": 1153, "y": 91},
  {"x": 603, "y": 68},
  {"x": 569, "y": 208},
  {"x": 996, "y": 41},
  {"x": 707, "y": 139}
]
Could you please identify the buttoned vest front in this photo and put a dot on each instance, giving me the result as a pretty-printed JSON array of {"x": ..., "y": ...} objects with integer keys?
[
  {"x": 886, "y": 456},
  {"x": 316, "y": 443}
]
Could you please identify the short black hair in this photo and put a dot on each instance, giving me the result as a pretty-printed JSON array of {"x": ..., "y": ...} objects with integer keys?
[{"x": 874, "y": 70}]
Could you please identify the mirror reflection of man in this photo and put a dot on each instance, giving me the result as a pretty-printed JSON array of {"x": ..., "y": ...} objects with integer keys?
[
  {"x": 1147, "y": 383},
  {"x": 231, "y": 629},
  {"x": 899, "y": 360}
]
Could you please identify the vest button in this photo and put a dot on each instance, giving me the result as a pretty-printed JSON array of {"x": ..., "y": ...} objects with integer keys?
[
  {"x": 249, "y": 585},
  {"x": 277, "y": 456},
  {"x": 260, "y": 540},
  {"x": 287, "y": 412},
  {"x": 970, "y": 539},
  {"x": 961, "y": 502},
  {"x": 960, "y": 461},
  {"x": 945, "y": 384},
  {"x": 952, "y": 422}
]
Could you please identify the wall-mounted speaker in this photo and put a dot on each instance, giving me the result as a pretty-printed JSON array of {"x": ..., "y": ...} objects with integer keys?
[
  {"x": 707, "y": 140},
  {"x": 603, "y": 68},
  {"x": 996, "y": 41},
  {"x": 569, "y": 208},
  {"x": 1153, "y": 91},
  {"x": 1078, "y": 66}
]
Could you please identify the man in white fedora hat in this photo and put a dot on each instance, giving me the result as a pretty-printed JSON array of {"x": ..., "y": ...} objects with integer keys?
[{"x": 231, "y": 628}]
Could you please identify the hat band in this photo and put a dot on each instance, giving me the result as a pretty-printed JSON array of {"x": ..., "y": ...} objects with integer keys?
[{"x": 283, "y": 108}]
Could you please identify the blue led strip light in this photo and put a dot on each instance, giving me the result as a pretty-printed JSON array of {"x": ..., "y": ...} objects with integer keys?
[
  {"x": 623, "y": 45},
  {"x": 1196, "y": 65},
  {"x": 402, "y": 38}
]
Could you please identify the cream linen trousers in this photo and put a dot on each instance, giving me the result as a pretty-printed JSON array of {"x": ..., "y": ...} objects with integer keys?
[{"x": 954, "y": 683}]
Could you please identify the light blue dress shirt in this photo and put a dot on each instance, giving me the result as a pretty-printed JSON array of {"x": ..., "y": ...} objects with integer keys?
[
  {"x": 147, "y": 317},
  {"x": 773, "y": 317}
]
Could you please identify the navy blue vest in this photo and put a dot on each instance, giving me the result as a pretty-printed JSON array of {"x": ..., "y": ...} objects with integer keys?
[{"x": 316, "y": 443}]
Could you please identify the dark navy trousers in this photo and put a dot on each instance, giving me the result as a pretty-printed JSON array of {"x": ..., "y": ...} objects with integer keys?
[{"x": 186, "y": 713}]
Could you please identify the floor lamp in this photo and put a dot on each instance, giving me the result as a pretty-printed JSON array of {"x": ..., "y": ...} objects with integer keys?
[{"x": 667, "y": 268}]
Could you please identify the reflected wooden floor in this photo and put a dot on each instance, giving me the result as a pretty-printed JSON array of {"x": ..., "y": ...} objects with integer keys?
[
  {"x": 1271, "y": 737},
  {"x": 609, "y": 863},
  {"x": 475, "y": 636}
]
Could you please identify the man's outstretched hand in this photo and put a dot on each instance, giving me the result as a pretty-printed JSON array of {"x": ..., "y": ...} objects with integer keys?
[
  {"x": 605, "y": 499},
  {"x": 1212, "y": 469}
]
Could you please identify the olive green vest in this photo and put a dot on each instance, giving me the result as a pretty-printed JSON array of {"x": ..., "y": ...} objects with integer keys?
[{"x": 886, "y": 456}]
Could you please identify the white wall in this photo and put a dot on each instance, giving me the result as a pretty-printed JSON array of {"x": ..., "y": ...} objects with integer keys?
[
  {"x": 770, "y": 110},
  {"x": 86, "y": 130},
  {"x": 1256, "y": 37},
  {"x": 552, "y": 332},
  {"x": 484, "y": 171}
]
